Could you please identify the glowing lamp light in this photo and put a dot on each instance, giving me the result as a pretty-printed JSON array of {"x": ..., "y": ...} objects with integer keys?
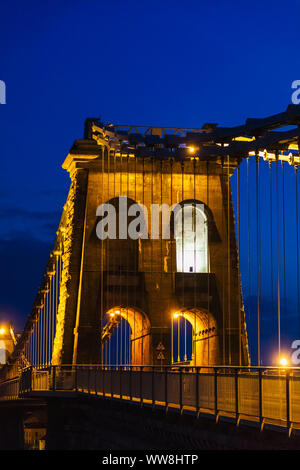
[
  {"x": 191, "y": 149},
  {"x": 176, "y": 315},
  {"x": 283, "y": 361},
  {"x": 2, "y": 331},
  {"x": 115, "y": 312}
]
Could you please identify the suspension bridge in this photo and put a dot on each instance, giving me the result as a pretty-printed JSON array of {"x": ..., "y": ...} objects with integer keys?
[{"x": 161, "y": 320}]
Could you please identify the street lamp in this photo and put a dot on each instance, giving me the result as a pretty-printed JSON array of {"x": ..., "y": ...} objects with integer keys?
[{"x": 283, "y": 362}]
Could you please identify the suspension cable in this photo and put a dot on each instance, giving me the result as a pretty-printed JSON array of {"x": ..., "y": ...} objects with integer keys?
[
  {"x": 223, "y": 275},
  {"x": 228, "y": 260},
  {"x": 278, "y": 265},
  {"x": 161, "y": 242},
  {"x": 283, "y": 239},
  {"x": 248, "y": 236},
  {"x": 271, "y": 237},
  {"x": 258, "y": 258},
  {"x": 194, "y": 337},
  {"x": 208, "y": 270},
  {"x": 297, "y": 242},
  {"x": 102, "y": 267},
  {"x": 239, "y": 260},
  {"x": 136, "y": 269},
  {"x": 171, "y": 254}
]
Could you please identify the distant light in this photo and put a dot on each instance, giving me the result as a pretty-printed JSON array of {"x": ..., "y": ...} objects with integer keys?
[
  {"x": 112, "y": 314},
  {"x": 191, "y": 149},
  {"x": 117, "y": 312},
  {"x": 2, "y": 331},
  {"x": 283, "y": 361},
  {"x": 176, "y": 315}
]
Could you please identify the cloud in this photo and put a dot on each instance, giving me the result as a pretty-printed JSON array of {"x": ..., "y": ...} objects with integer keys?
[
  {"x": 13, "y": 212},
  {"x": 38, "y": 224},
  {"x": 51, "y": 192},
  {"x": 23, "y": 260}
]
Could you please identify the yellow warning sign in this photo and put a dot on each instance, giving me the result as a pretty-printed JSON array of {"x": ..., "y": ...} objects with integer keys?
[
  {"x": 160, "y": 347},
  {"x": 160, "y": 356}
]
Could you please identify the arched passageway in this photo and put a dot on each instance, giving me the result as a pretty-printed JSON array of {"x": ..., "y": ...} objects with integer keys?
[
  {"x": 194, "y": 338},
  {"x": 125, "y": 337}
]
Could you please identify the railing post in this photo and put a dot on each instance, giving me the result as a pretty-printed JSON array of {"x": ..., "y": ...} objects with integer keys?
[
  {"x": 22, "y": 384},
  {"x": 141, "y": 385},
  {"x": 23, "y": 381},
  {"x": 236, "y": 377},
  {"x": 121, "y": 375},
  {"x": 288, "y": 410},
  {"x": 153, "y": 388},
  {"x": 96, "y": 376},
  {"x": 130, "y": 382},
  {"x": 111, "y": 383},
  {"x": 197, "y": 392},
  {"x": 31, "y": 378},
  {"x": 54, "y": 378},
  {"x": 76, "y": 379},
  {"x": 216, "y": 393},
  {"x": 89, "y": 374},
  {"x": 166, "y": 388},
  {"x": 261, "y": 421},
  {"x": 180, "y": 390}
]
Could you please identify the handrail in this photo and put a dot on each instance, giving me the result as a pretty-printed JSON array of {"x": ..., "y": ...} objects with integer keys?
[
  {"x": 171, "y": 367},
  {"x": 248, "y": 393}
]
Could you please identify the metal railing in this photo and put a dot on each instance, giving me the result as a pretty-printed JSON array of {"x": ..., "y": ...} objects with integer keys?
[
  {"x": 9, "y": 390},
  {"x": 261, "y": 394}
]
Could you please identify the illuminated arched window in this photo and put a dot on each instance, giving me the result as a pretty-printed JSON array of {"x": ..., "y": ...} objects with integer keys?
[{"x": 191, "y": 236}]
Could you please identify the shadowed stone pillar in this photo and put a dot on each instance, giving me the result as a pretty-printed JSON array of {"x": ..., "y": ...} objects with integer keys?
[
  {"x": 72, "y": 235},
  {"x": 11, "y": 427}
]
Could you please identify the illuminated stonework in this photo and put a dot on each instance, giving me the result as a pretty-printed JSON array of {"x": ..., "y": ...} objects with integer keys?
[
  {"x": 145, "y": 275},
  {"x": 69, "y": 240}
]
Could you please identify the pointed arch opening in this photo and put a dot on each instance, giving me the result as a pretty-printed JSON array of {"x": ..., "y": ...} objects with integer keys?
[
  {"x": 194, "y": 338},
  {"x": 191, "y": 235},
  {"x": 125, "y": 337}
]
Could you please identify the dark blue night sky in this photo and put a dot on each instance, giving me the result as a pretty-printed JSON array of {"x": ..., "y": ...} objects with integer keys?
[{"x": 172, "y": 63}]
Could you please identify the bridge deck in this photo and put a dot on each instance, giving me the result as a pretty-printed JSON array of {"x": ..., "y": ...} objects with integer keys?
[{"x": 258, "y": 395}]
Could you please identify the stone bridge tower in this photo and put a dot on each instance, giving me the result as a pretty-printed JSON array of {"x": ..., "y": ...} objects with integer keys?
[{"x": 148, "y": 281}]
